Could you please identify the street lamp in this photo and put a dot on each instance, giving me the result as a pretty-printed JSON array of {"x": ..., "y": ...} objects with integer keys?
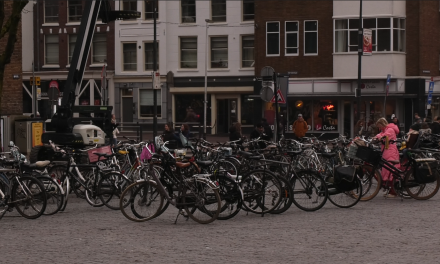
[{"x": 205, "y": 102}]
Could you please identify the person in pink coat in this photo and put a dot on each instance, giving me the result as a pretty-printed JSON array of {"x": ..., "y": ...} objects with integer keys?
[{"x": 391, "y": 153}]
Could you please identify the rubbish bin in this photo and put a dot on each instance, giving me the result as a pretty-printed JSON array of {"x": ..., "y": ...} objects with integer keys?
[{"x": 28, "y": 134}]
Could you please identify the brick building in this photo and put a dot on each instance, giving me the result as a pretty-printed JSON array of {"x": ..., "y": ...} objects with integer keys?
[
  {"x": 315, "y": 42},
  {"x": 11, "y": 97}
]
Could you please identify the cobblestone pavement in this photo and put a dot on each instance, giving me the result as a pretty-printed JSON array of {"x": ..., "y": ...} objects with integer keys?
[{"x": 379, "y": 231}]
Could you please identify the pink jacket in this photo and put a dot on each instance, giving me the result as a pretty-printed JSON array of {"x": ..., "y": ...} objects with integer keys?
[
  {"x": 394, "y": 127},
  {"x": 391, "y": 153}
]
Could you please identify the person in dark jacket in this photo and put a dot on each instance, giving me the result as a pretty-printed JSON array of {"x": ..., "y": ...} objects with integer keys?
[
  {"x": 235, "y": 132},
  {"x": 259, "y": 133},
  {"x": 168, "y": 133},
  {"x": 435, "y": 126},
  {"x": 267, "y": 130}
]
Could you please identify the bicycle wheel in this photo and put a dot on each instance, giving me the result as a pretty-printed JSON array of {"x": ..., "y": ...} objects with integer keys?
[
  {"x": 92, "y": 195},
  {"x": 144, "y": 201},
  {"x": 309, "y": 190},
  {"x": 286, "y": 197},
  {"x": 345, "y": 199},
  {"x": 201, "y": 202},
  {"x": 29, "y": 197},
  {"x": 59, "y": 173},
  {"x": 419, "y": 191},
  {"x": 4, "y": 188},
  {"x": 371, "y": 183},
  {"x": 262, "y": 191},
  {"x": 110, "y": 188},
  {"x": 54, "y": 194},
  {"x": 231, "y": 198}
]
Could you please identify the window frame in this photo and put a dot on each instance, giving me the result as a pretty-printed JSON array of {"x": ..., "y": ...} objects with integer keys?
[
  {"x": 53, "y": 7},
  {"x": 182, "y": 17},
  {"x": 159, "y": 103},
  {"x": 122, "y": 2},
  {"x": 79, "y": 17},
  {"x": 45, "y": 50},
  {"x": 180, "y": 52},
  {"x": 123, "y": 59},
  {"x": 213, "y": 6},
  {"x": 152, "y": 12},
  {"x": 103, "y": 40},
  {"x": 243, "y": 3},
  {"x": 267, "y": 33},
  {"x": 285, "y": 39},
  {"x": 317, "y": 38},
  {"x": 212, "y": 51},
  {"x": 242, "y": 51},
  {"x": 157, "y": 54}
]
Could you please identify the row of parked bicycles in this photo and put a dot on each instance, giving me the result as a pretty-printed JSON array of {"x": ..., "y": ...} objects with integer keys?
[{"x": 206, "y": 181}]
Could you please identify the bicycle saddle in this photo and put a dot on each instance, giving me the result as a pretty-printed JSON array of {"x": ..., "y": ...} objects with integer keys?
[
  {"x": 182, "y": 165},
  {"x": 204, "y": 163},
  {"x": 328, "y": 155}
]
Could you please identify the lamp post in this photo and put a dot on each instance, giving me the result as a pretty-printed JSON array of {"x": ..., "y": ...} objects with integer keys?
[
  {"x": 205, "y": 101},
  {"x": 359, "y": 83}
]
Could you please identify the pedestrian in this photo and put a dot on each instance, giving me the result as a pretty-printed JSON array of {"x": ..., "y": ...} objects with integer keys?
[
  {"x": 259, "y": 133},
  {"x": 435, "y": 127},
  {"x": 190, "y": 115},
  {"x": 390, "y": 152},
  {"x": 359, "y": 128},
  {"x": 424, "y": 129},
  {"x": 417, "y": 118},
  {"x": 394, "y": 120},
  {"x": 168, "y": 133},
  {"x": 114, "y": 141},
  {"x": 300, "y": 127},
  {"x": 235, "y": 132},
  {"x": 267, "y": 129}
]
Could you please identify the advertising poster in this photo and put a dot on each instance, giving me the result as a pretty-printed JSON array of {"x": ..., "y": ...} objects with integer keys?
[
  {"x": 37, "y": 131},
  {"x": 368, "y": 42}
]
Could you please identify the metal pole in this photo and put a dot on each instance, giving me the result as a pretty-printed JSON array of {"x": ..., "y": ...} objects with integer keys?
[
  {"x": 34, "y": 92},
  {"x": 275, "y": 85},
  {"x": 205, "y": 102},
  {"x": 154, "y": 70},
  {"x": 360, "y": 42}
]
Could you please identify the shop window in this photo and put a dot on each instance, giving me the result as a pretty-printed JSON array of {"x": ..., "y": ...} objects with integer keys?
[
  {"x": 247, "y": 110},
  {"x": 146, "y": 103},
  {"x": 189, "y": 106},
  {"x": 296, "y": 107},
  {"x": 325, "y": 115}
]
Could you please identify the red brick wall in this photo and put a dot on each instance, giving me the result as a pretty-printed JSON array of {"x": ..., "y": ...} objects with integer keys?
[
  {"x": 11, "y": 97},
  {"x": 278, "y": 10},
  {"x": 422, "y": 38}
]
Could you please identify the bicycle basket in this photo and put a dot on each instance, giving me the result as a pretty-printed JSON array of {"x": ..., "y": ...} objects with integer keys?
[
  {"x": 352, "y": 151},
  {"x": 426, "y": 171},
  {"x": 368, "y": 154},
  {"x": 344, "y": 178}
]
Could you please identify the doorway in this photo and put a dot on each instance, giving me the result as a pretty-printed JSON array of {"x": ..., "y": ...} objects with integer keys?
[
  {"x": 127, "y": 109},
  {"x": 226, "y": 114}
]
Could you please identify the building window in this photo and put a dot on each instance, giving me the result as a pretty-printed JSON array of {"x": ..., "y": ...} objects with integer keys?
[
  {"x": 129, "y": 54},
  {"x": 148, "y": 47},
  {"x": 129, "y": 5},
  {"x": 52, "y": 50},
  {"x": 273, "y": 38},
  {"x": 247, "y": 52},
  {"x": 72, "y": 41},
  {"x": 75, "y": 10},
  {"x": 148, "y": 6},
  {"x": 188, "y": 11},
  {"x": 99, "y": 51},
  {"x": 146, "y": 103},
  {"x": 311, "y": 37},
  {"x": 219, "y": 52},
  {"x": 51, "y": 11},
  {"x": 383, "y": 30},
  {"x": 291, "y": 39},
  {"x": 218, "y": 10},
  {"x": 248, "y": 10},
  {"x": 188, "y": 52}
]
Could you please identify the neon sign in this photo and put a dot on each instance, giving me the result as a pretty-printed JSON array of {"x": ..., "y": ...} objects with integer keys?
[{"x": 328, "y": 107}]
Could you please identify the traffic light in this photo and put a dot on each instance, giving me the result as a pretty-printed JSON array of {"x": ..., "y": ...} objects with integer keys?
[{"x": 37, "y": 81}]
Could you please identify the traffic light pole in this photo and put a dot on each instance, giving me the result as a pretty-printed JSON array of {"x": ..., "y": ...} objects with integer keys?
[
  {"x": 275, "y": 87},
  {"x": 360, "y": 45},
  {"x": 154, "y": 70},
  {"x": 34, "y": 92}
]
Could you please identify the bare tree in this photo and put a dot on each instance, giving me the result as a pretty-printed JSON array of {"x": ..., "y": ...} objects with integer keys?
[{"x": 8, "y": 30}]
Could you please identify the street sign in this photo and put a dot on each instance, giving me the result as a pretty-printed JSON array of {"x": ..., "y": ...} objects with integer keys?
[
  {"x": 280, "y": 98},
  {"x": 388, "y": 83},
  {"x": 266, "y": 92},
  {"x": 431, "y": 89},
  {"x": 53, "y": 92},
  {"x": 156, "y": 80}
]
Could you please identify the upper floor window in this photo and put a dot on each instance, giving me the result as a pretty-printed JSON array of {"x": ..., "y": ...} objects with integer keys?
[
  {"x": 72, "y": 41},
  {"x": 75, "y": 10},
  {"x": 99, "y": 49},
  {"x": 51, "y": 11},
  {"x": 273, "y": 38},
  {"x": 188, "y": 52},
  {"x": 248, "y": 10},
  {"x": 148, "y": 9},
  {"x": 129, "y": 57},
  {"x": 52, "y": 55},
  {"x": 388, "y": 34},
  {"x": 291, "y": 39},
  {"x": 148, "y": 47},
  {"x": 247, "y": 53},
  {"x": 219, "y": 52},
  {"x": 129, "y": 5},
  {"x": 188, "y": 11},
  {"x": 218, "y": 10},
  {"x": 311, "y": 37}
]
